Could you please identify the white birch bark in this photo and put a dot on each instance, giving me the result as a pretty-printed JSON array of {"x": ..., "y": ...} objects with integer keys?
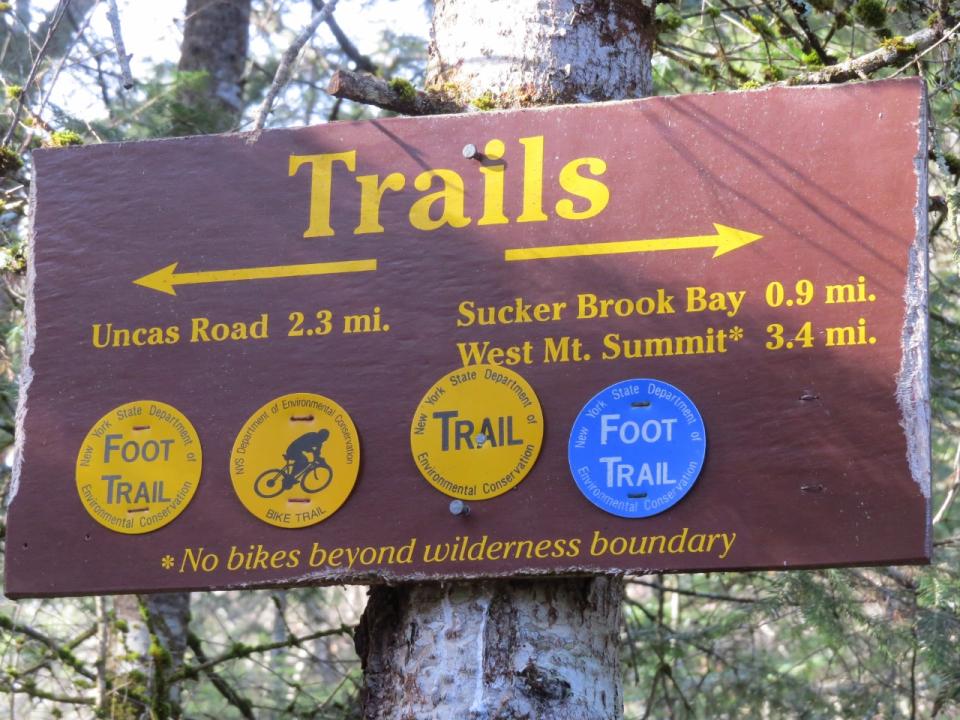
[
  {"x": 493, "y": 650},
  {"x": 541, "y": 52}
]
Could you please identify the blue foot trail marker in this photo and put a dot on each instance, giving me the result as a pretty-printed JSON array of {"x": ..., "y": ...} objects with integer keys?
[{"x": 637, "y": 447}]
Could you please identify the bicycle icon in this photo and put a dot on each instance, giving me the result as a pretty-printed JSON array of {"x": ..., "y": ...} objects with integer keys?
[{"x": 304, "y": 467}]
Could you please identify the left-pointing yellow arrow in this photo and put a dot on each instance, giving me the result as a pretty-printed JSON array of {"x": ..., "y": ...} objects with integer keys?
[{"x": 166, "y": 279}]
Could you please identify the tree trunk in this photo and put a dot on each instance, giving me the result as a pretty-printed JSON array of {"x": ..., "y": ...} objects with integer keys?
[
  {"x": 149, "y": 640},
  {"x": 505, "y": 649},
  {"x": 215, "y": 40},
  {"x": 511, "y": 648},
  {"x": 530, "y": 52}
]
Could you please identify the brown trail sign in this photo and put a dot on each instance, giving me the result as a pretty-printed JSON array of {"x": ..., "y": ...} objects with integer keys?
[{"x": 680, "y": 333}]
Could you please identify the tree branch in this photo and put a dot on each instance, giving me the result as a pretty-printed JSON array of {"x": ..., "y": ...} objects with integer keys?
[
  {"x": 59, "y": 651},
  {"x": 58, "y": 16},
  {"x": 398, "y": 95},
  {"x": 113, "y": 17},
  {"x": 222, "y": 686},
  {"x": 943, "y": 320},
  {"x": 243, "y": 651},
  {"x": 894, "y": 53},
  {"x": 799, "y": 12},
  {"x": 951, "y": 491},
  {"x": 363, "y": 62},
  {"x": 946, "y": 36},
  {"x": 79, "y": 32},
  {"x": 694, "y": 593},
  {"x": 287, "y": 60},
  {"x": 60, "y": 43},
  {"x": 34, "y": 691},
  {"x": 64, "y": 655}
]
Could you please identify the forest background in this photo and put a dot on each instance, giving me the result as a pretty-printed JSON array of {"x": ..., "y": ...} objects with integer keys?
[{"x": 859, "y": 642}]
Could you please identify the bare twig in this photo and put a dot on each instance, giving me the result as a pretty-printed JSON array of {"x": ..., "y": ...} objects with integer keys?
[
  {"x": 951, "y": 491},
  {"x": 363, "y": 62},
  {"x": 246, "y": 651},
  {"x": 696, "y": 594},
  {"x": 223, "y": 687},
  {"x": 34, "y": 691},
  {"x": 946, "y": 36},
  {"x": 943, "y": 320},
  {"x": 334, "y": 113},
  {"x": 54, "y": 24},
  {"x": 113, "y": 16},
  {"x": 61, "y": 653},
  {"x": 860, "y": 67},
  {"x": 78, "y": 34},
  {"x": 103, "y": 642},
  {"x": 287, "y": 61},
  {"x": 913, "y": 675},
  {"x": 800, "y": 9},
  {"x": 53, "y": 645},
  {"x": 371, "y": 90}
]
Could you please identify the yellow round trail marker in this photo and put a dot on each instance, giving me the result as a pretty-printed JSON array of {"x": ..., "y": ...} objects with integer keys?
[
  {"x": 296, "y": 460},
  {"x": 139, "y": 467},
  {"x": 477, "y": 432}
]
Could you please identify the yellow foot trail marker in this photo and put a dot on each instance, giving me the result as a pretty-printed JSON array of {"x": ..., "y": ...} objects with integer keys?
[
  {"x": 139, "y": 467},
  {"x": 167, "y": 278},
  {"x": 725, "y": 240}
]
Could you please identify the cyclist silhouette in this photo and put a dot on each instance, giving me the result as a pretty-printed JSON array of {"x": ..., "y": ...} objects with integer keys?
[
  {"x": 303, "y": 460},
  {"x": 306, "y": 450}
]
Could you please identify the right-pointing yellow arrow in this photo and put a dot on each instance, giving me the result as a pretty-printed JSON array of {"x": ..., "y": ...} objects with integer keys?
[
  {"x": 167, "y": 278},
  {"x": 725, "y": 240}
]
